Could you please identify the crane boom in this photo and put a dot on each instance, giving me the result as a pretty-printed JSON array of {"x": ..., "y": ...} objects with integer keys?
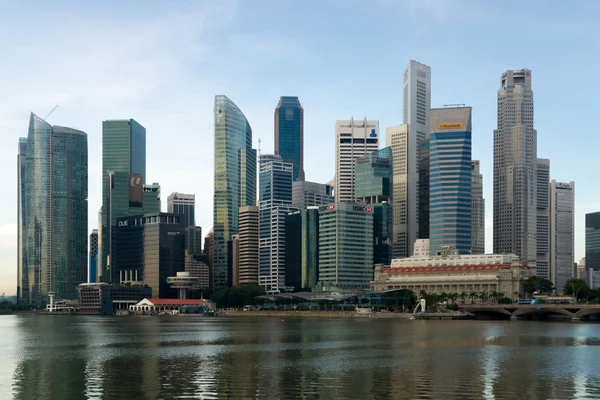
[{"x": 50, "y": 113}]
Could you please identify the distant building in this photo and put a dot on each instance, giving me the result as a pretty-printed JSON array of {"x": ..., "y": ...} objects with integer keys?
[
  {"x": 185, "y": 204},
  {"x": 450, "y": 179},
  {"x": 308, "y": 194},
  {"x": 421, "y": 248},
  {"x": 302, "y": 248},
  {"x": 148, "y": 249},
  {"x": 197, "y": 269},
  {"x": 193, "y": 239},
  {"x": 454, "y": 273},
  {"x": 592, "y": 246},
  {"x": 477, "y": 210},
  {"x": 209, "y": 252},
  {"x": 92, "y": 269},
  {"x": 354, "y": 139},
  {"x": 275, "y": 199},
  {"x": 235, "y": 260},
  {"x": 345, "y": 246},
  {"x": 248, "y": 245},
  {"x": 102, "y": 298},
  {"x": 424, "y": 189},
  {"x": 543, "y": 218},
  {"x": 373, "y": 186},
  {"x": 293, "y": 250},
  {"x": 562, "y": 232},
  {"x": 289, "y": 134},
  {"x": 52, "y": 212},
  {"x": 235, "y": 181},
  {"x": 580, "y": 268}
]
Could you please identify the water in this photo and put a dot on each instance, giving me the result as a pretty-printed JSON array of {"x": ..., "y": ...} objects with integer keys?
[{"x": 78, "y": 357}]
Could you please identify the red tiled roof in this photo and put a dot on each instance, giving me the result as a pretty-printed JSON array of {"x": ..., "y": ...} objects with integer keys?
[
  {"x": 449, "y": 268},
  {"x": 173, "y": 302}
]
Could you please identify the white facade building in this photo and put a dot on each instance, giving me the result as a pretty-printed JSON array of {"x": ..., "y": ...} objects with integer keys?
[
  {"x": 421, "y": 248},
  {"x": 515, "y": 164},
  {"x": 562, "y": 234},
  {"x": 396, "y": 137},
  {"x": 417, "y": 104},
  {"x": 354, "y": 139}
]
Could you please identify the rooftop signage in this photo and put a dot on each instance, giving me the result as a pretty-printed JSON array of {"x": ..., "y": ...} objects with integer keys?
[{"x": 452, "y": 125}]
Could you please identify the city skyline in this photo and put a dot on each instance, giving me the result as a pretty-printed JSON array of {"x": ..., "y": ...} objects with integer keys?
[{"x": 117, "y": 95}]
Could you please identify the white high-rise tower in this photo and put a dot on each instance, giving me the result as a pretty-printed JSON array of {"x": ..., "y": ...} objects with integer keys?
[
  {"x": 515, "y": 169},
  {"x": 353, "y": 139},
  {"x": 562, "y": 232}
]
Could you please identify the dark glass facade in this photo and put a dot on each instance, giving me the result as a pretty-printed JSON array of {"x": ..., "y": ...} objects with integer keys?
[
  {"x": 53, "y": 221},
  {"x": 92, "y": 272},
  {"x": 310, "y": 248},
  {"x": 423, "y": 189},
  {"x": 293, "y": 250},
  {"x": 235, "y": 180},
  {"x": 148, "y": 249},
  {"x": 592, "y": 241},
  {"x": 289, "y": 134}
]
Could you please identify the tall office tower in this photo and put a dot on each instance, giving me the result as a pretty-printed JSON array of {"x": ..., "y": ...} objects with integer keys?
[
  {"x": 123, "y": 174},
  {"x": 396, "y": 137},
  {"x": 373, "y": 186},
  {"x": 562, "y": 232},
  {"x": 302, "y": 248},
  {"x": 477, "y": 210},
  {"x": 345, "y": 246},
  {"x": 249, "y": 242},
  {"x": 423, "y": 206},
  {"x": 93, "y": 266},
  {"x": 235, "y": 260},
  {"x": 543, "y": 218},
  {"x": 53, "y": 218},
  {"x": 309, "y": 194},
  {"x": 21, "y": 221},
  {"x": 581, "y": 269},
  {"x": 148, "y": 249},
  {"x": 592, "y": 244},
  {"x": 354, "y": 139},
  {"x": 293, "y": 250},
  {"x": 515, "y": 162},
  {"x": 417, "y": 103},
  {"x": 185, "y": 204},
  {"x": 235, "y": 179},
  {"x": 289, "y": 133},
  {"x": 193, "y": 238},
  {"x": 275, "y": 199},
  {"x": 450, "y": 180},
  {"x": 209, "y": 242}
]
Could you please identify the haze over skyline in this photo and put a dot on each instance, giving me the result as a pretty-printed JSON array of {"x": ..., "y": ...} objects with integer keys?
[{"x": 162, "y": 65}]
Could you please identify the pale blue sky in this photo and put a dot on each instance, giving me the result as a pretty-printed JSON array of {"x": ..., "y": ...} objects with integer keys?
[{"x": 162, "y": 63}]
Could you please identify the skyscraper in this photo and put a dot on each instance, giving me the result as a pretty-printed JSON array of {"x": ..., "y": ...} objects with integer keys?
[
  {"x": 417, "y": 103},
  {"x": 592, "y": 245},
  {"x": 235, "y": 179},
  {"x": 249, "y": 241},
  {"x": 345, "y": 246},
  {"x": 477, "y": 210},
  {"x": 373, "y": 186},
  {"x": 289, "y": 133},
  {"x": 308, "y": 194},
  {"x": 193, "y": 238},
  {"x": 562, "y": 232},
  {"x": 515, "y": 164},
  {"x": 354, "y": 139},
  {"x": 22, "y": 279},
  {"x": 397, "y": 139},
  {"x": 450, "y": 179},
  {"x": 53, "y": 218},
  {"x": 423, "y": 206},
  {"x": 93, "y": 266},
  {"x": 123, "y": 174},
  {"x": 275, "y": 199},
  {"x": 543, "y": 218},
  {"x": 185, "y": 204}
]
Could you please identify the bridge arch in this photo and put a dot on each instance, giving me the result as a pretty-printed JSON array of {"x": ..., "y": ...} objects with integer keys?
[
  {"x": 586, "y": 313},
  {"x": 526, "y": 312}
]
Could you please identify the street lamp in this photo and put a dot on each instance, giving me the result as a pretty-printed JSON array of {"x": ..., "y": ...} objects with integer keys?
[{"x": 576, "y": 292}]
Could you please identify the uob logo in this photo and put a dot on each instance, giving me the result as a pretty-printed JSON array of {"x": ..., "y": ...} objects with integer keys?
[
  {"x": 135, "y": 181},
  {"x": 373, "y": 133}
]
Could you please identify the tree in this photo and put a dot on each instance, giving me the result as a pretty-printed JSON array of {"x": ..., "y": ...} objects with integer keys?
[
  {"x": 473, "y": 295},
  {"x": 463, "y": 297},
  {"x": 453, "y": 297},
  {"x": 537, "y": 284},
  {"x": 575, "y": 286}
]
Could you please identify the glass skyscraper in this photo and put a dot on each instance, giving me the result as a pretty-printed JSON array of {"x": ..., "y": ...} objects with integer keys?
[
  {"x": 53, "y": 190},
  {"x": 592, "y": 242},
  {"x": 289, "y": 134},
  {"x": 450, "y": 179},
  {"x": 235, "y": 179}
]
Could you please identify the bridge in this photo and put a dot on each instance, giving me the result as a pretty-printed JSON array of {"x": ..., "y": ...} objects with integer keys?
[{"x": 537, "y": 311}]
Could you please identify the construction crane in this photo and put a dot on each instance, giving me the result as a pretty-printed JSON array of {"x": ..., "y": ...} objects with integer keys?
[{"x": 50, "y": 113}]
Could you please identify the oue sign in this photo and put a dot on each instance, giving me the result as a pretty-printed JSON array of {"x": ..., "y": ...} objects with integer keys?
[{"x": 123, "y": 223}]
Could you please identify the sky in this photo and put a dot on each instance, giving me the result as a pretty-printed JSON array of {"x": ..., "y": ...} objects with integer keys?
[{"x": 162, "y": 63}]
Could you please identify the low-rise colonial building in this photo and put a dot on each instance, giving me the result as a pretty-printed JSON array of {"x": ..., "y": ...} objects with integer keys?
[{"x": 450, "y": 272}]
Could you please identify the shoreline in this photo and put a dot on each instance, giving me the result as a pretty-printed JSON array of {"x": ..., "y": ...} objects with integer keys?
[{"x": 314, "y": 314}]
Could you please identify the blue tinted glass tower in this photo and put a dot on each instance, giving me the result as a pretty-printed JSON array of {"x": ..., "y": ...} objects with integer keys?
[
  {"x": 289, "y": 134},
  {"x": 450, "y": 179}
]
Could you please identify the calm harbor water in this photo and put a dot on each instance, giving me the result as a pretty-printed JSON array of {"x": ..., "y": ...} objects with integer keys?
[{"x": 67, "y": 357}]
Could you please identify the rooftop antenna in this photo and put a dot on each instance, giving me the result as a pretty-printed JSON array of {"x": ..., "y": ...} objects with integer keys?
[{"x": 51, "y": 111}]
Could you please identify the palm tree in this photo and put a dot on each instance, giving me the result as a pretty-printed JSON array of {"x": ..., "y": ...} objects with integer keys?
[
  {"x": 473, "y": 295},
  {"x": 484, "y": 296},
  {"x": 494, "y": 296},
  {"x": 453, "y": 297},
  {"x": 463, "y": 296},
  {"x": 500, "y": 296}
]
